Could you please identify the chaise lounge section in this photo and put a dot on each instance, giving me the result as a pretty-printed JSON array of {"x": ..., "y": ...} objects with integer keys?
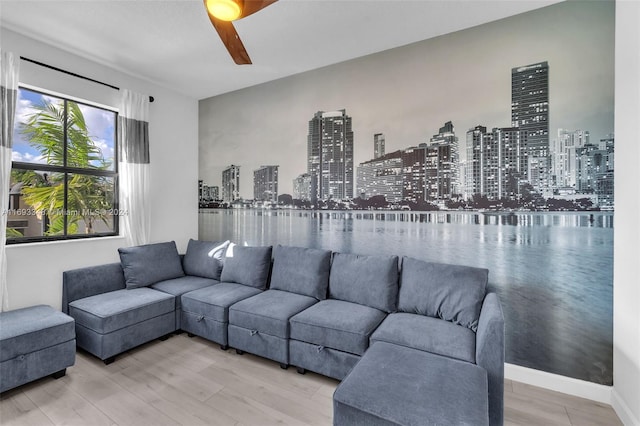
[
  {"x": 396, "y": 385},
  {"x": 445, "y": 310}
]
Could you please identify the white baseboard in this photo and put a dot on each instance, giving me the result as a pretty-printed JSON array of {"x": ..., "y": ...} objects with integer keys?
[
  {"x": 622, "y": 410},
  {"x": 555, "y": 382}
]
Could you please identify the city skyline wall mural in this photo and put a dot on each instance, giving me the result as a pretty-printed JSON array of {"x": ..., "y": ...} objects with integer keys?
[{"x": 490, "y": 147}]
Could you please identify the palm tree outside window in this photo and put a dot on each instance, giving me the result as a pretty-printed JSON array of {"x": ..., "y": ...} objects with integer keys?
[{"x": 64, "y": 170}]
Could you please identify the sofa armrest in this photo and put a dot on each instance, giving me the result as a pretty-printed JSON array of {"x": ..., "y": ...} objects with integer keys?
[
  {"x": 490, "y": 354},
  {"x": 85, "y": 282}
]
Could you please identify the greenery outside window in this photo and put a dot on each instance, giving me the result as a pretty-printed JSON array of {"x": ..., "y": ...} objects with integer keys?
[{"x": 64, "y": 175}]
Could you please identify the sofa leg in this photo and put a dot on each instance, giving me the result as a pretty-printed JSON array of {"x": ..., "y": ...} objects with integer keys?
[
  {"x": 224, "y": 347},
  {"x": 59, "y": 374},
  {"x": 284, "y": 366},
  {"x": 109, "y": 360},
  {"x": 301, "y": 370},
  {"x": 163, "y": 338},
  {"x": 239, "y": 352},
  {"x": 190, "y": 334}
]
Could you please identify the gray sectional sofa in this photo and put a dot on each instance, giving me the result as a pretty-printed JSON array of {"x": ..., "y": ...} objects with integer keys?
[{"x": 310, "y": 308}]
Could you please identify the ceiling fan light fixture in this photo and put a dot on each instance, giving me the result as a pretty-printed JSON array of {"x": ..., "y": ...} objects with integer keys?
[{"x": 225, "y": 10}]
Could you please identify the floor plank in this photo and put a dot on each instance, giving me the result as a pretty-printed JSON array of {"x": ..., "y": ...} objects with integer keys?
[
  {"x": 258, "y": 389},
  {"x": 190, "y": 381},
  {"x": 248, "y": 411},
  {"x": 170, "y": 400},
  {"x": 62, "y": 405},
  {"x": 525, "y": 410},
  {"x": 17, "y": 409}
]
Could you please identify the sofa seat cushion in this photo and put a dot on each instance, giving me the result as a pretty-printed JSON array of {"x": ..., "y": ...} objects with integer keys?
[
  {"x": 269, "y": 312},
  {"x": 337, "y": 324},
  {"x": 182, "y": 285},
  {"x": 395, "y": 385},
  {"x": 31, "y": 329},
  {"x": 427, "y": 334},
  {"x": 108, "y": 312},
  {"x": 214, "y": 301}
]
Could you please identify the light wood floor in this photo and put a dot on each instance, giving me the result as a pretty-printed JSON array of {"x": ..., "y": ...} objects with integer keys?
[{"x": 190, "y": 381}]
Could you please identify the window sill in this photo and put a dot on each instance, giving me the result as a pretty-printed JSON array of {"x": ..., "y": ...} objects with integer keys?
[{"x": 10, "y": 247}]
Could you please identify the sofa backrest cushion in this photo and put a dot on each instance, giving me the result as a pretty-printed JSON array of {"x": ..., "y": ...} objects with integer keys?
[
  {"x": 449, "y": 292},
  {"x": 204, "y": 258},
  {"x": 151, "y": 263},
  {"x": 301, "y": 270},
  {"x": 247, "y": 265},
  {"x": 367, "y": 280}
]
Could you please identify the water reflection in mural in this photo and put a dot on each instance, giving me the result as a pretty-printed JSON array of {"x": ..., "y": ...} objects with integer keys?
[{"x": 553, "y": 271}]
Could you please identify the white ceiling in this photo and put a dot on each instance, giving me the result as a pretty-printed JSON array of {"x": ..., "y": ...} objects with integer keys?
[{"x": 173, "y": 44}]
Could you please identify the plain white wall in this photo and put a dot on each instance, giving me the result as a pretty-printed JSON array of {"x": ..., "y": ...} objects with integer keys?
[
  {"x": 35, "y": 270},
  {"x": 626, "y": 282}
]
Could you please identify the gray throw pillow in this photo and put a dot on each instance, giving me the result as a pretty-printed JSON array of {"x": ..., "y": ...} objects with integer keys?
[
  {"x": 204, "y": 258},
  {"x": 247, "y": 265},
  {"x": 149, "y": 264},
  {"x": 450, "y": 292},
  {"x": 301, "y": 270},
  {"x": 367, "y": 280}
]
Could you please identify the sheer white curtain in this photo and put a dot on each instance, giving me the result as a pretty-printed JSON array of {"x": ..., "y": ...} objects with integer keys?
[
  {"x": 133, "y": 167},
  {"x": 9, "y": 70}
]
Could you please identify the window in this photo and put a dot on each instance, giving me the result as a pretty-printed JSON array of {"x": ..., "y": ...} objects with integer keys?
[{"x": 64, "y": 174}]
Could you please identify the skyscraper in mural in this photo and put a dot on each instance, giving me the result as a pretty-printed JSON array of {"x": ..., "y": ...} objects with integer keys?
[
  {"x": 530, "y": 113},
  {"x": 508, "y": 141},
  {"x": 493, "y": 164},
  {"x": 330, "y": 155},
  {"x": 442, "y": 165},
  {"x": 594, "y": 171},
  {"x": 265, "y": 184},
  {"x": 604, "y": 184},
  {"x": 231, "y": 184},
  {"x": 381, "y": 176},
  {"x": 414, "y": 173},
  {"x": 302, "y": 187},
  {"x": 563, "y": 158},
  {"x": 474, "y": 183},
  {"x": 378, "y": 145}
]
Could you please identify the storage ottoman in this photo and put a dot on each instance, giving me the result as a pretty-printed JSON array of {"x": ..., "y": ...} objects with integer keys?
[
  {"x": 35, "y": 342},
  {"x": 396, "y": 385}
]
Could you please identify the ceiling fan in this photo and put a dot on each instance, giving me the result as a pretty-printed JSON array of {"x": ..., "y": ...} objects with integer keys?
[{"x": 223, "y": 12}]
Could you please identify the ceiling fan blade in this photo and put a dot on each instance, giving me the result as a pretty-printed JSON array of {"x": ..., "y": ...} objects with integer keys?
[
  {"x": 252, "y": 6},
  {"x": 231, "y": 40}
]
